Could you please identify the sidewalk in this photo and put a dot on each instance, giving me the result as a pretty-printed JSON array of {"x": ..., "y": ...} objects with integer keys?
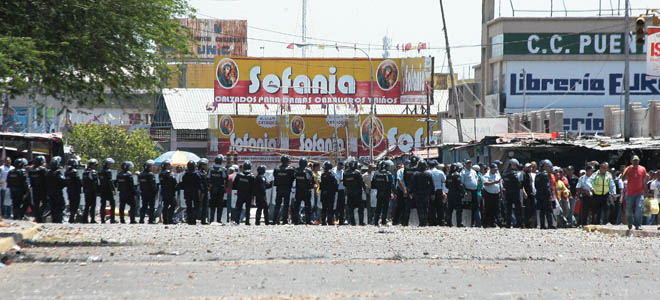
[
  {"x": 16, "y": 232},
  {"x": 622, "y": 230}
]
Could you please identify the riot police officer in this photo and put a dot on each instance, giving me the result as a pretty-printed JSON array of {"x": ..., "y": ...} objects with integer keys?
[
  {"x": 304, "y": 185},
  {"x": 354, "y": 186},
  {"x": 73, "y": 188},
  {"x": 127, "y": 191},
  {"x": 542, "y": 183},
  {"x": 37, "y": 176},
  {"x": 456, "y": 192},
  {"x": 55, "y": 182},
  {"x": 91, "y": 189},
  {"x": 511, "y": 180},
  {"x": 168, "y": 191},
  {"x": 148, "y": 191},
  {"x": 383, "y": 183},
  {"x": 284, "y": 177},
  {"x": 422, "y": 188},
  {"x": 107, "y": 189},
  {"x": 261, "y": 185},
  {"x": 408, "y": 174},
  {"x": 202, "y": 165},
  {"x": 218, "y": 180},
  {"x": 244, "y": 183},
  {"x": 328, "y": 189},
  {"x": 18, "y": 186},
  {"x": 191, "y": 183}
]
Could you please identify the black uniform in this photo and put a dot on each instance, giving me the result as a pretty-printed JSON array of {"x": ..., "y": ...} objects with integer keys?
[
  {"x": 218, "y": 180},
  {"x": 18, "y": 186},
  {"x": 544, "y": 199},
  {"x": 530, "y": 203},
  {"x": 284, "y": 177},
  {"x": 127, "y": 193},
  {"x": 244, "y": 184},
  {"x": 328, "y": 189},
  {"x": 107, "y": 194},
  {"x": 512, "y": 186},
  {"x": 403, "y": 202},
  {"x": 260, "y": 198},
  {"x": 304, "y": 185},
  {"x": 91, "y": 189},
  {"x": 148, "y": 192},
  {"x": 204, "y": 198},
  {"x": 168, "y": 192},
  {"x": 191, "y": 184},
  {"x": 354, "y": 185},
  {"x": 384, "y": 185},
  {"x": 73, "y": 190},
  {"x": 455, "y": 198},
  {"x": 422, "y": 188},
  {"x": 38, "y": 184},
  {"x": 55, "y": 182}
]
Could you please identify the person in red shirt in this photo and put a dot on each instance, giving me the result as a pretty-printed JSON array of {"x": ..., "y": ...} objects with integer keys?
[{"x": 635, "y": 191}]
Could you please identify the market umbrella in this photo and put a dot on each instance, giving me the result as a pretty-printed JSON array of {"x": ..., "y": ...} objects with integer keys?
[{"x": 177, "y": 158}]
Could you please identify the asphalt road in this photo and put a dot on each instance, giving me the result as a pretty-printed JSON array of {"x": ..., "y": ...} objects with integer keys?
[{"x": 314, "y": 262}]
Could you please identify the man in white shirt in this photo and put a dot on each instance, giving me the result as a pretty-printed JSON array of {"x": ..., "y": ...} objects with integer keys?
[
  {"x": 584, "y": 189},
  {"x": 437, "y": 209},
  {"x": 492, "y": 193},
  {"x": 470, "y": 180},
  {"x": 5, "y": 199}
]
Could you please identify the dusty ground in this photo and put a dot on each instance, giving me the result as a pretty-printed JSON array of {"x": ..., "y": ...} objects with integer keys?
[{"x": 301, "y": 262}]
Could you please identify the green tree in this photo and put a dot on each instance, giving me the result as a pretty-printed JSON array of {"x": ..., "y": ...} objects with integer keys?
[
  {"x": 81, "y": 49},
  {"x": 102, "y": 141}
]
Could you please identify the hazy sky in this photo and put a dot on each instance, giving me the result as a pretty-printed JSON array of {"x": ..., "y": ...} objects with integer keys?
[{"x": 366, "y": 22}]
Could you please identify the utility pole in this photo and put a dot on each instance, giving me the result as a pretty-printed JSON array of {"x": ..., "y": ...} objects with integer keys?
[
  {"x": 524, "y": 91},
  {"x": 457, "y": 109},
  {"x": 626, "y": 77},
  {"x": 304, "y": 27}
]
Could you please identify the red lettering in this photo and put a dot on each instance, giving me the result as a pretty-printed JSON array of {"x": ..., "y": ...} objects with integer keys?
[{"x": 655, "y": 49}]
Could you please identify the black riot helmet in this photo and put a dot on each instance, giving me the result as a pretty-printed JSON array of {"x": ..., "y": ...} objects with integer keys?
[
  {"x": 219, "y": 159},
  {"x": 92, "y": 163},
  {"x": 285, "y": 159},
  {"x": 261, "y": 170},
  {"x": 55, "y": 163},
  {"x": 166, "y": 165},
  {"x": 414, "y": 160},
  {"x": 73, "y": 163},
  {"x": 20, "y": 163},
  {"x": 126, "y": 166},
  {"x": 108, "y": 161},
  {"x": 191, "y": 166},
  {"x": 302, "y": 162},
  {"x": 422, "y": 165},
  {"x": 39, "y": 161},
  {"x": 351, "y": 163},
  {"x": 247, "y": 165},
  {"x": 327, "y": 166},
  {"x": 148, "y": 165},
  {"x": 382, "y": 165},
  {"x": 202, "y": 163}
]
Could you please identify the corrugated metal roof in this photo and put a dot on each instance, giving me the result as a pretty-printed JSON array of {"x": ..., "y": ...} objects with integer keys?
[{"x": 187, "y": 108}]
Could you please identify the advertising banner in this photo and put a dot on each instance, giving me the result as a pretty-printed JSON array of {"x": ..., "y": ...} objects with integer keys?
[
  {"x": 563, "y": 44},
  {"x": 417, "y": 80},
  {"x": 575, "y": 84},
  {"x": 653, "y": 55},
  {"x": 305, "y": 81},
  {"x": 17, "y": 119},
  {"x": 263, "y": 139},
  {"x": 213, "y": 37}
]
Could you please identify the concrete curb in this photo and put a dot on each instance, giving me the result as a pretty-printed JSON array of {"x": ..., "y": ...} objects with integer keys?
[
  {"x": 622, "y": 232},
  {"x": 9, "y": 242}
]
